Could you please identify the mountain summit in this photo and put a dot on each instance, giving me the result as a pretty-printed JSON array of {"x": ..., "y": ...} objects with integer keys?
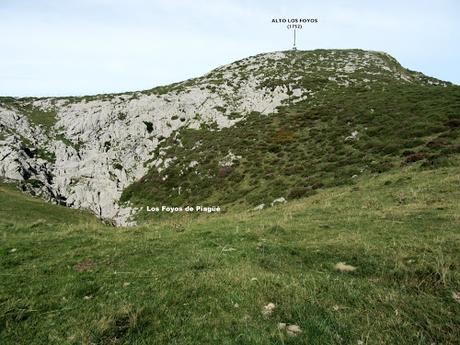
[{"x": 274, "y": 126}]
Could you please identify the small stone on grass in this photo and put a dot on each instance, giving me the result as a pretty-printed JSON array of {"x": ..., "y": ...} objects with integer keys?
[
  {"x": 293, "y": 330},
  {"x": 456, "y": 296},
  {"x": 268, "y": 309},
  {"x": 343, "y": 267}
]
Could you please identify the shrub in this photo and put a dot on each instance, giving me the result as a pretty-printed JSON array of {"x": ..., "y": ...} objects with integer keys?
[
  {"x": 437, "y": 143},
  {"x": 453, "y": 123},
  {"x": 149, "y": 126},
  {"x": 300, "y": 192},
  {"x": 34, "y": 183},
  {"x": 415, "y": 157},
  {"x": 224, "y": 171}
]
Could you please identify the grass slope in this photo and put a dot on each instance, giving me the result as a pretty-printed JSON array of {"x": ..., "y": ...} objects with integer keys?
[{"x": 66, "y": 279}]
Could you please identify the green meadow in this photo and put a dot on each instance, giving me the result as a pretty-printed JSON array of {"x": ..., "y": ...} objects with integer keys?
[{"x": 374, "y": 262}]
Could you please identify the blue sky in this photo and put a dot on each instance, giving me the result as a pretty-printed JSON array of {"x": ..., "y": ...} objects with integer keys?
[{"x": 66, "y": 47}]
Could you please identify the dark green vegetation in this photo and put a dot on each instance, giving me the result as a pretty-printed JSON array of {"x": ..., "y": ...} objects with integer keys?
[
  {"x": 305, "y": 147},
  {"x": 66, "y": 279}
]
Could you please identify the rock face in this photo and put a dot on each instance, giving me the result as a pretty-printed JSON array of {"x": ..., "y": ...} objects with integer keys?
[{"x": 82, "y": 152}]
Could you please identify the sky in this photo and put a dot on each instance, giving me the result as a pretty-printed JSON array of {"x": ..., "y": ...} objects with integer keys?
[{"x": 70, "y": 47}]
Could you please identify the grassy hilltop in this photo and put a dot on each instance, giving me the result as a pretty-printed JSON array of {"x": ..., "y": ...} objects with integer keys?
[{"x": 67, "y": 279}]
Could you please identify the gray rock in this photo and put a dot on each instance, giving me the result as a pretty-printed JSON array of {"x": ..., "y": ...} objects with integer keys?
[{"x": 278, "y": 201}]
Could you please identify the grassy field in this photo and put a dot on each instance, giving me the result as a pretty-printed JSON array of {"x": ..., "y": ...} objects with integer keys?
[{"x": 67, "y": 279}]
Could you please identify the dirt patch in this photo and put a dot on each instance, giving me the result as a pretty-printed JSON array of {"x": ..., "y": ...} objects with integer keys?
[{"x": 84, "y": 265}]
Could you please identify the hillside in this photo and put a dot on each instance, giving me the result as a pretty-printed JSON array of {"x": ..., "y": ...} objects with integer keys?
[
  {"x": 276, "y": 125},
  {"x": 304, "y": 147},
  {"x": 68, "y": 279}
]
